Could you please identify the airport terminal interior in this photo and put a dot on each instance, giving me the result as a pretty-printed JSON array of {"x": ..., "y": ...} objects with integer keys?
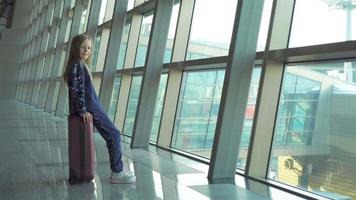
[{"x": 215, "y": 99}]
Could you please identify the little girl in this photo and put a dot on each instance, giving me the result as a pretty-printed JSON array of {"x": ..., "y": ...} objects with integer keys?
[{"x": 83, "y": 101}]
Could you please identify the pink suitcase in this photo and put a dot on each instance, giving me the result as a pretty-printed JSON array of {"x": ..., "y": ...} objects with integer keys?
[{"x": 81, "y": 150}]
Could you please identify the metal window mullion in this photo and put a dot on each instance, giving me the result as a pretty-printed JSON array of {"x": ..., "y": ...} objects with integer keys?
[
  {"x": 112, "y": 57},
  {"x": 57, "y": 56},
  {"x": 175, "y": 74},
  {"x": 152, "y": 73},
  {"x": 269, "y": 90},
  {"x": 235, "y": 91},
  {"x": 73, "y": 32}
]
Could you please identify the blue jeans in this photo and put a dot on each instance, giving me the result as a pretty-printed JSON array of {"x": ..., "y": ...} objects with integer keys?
[{"x": 112, "y": 137}]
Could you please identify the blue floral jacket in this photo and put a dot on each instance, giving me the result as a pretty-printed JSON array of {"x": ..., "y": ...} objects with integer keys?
[{"x": 82, "y": 96}]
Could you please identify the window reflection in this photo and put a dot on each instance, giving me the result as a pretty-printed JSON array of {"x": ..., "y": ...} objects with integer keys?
[
  {"x": 197, "y": 111},
  {"x": 143, "y": 40},
  {"x": 210, "y": 34},
  {"x": 171, "y": 33},
  {"x": 85, "y": 16},
  {"x": 95, "y": 52},
  {"x": 132, "y": 105},
  {"x": 249, "y": 117},
  {"x": 102, "y": 11},
  {"x": 158, "y": 108},
  {"x": 123, "y": 46},
  {"x": 114, "y": 98},
  {"x": 130, "y": 4},
  {"x": 320, "y": 22},
  {"x": 314, "y": 135}
]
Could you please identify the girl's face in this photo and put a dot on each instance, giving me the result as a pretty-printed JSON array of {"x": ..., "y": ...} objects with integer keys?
[{"x": 85, "y": 49}]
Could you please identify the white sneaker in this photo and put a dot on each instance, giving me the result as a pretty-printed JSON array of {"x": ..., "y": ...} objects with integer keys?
[{"x": 122, "y": 177}]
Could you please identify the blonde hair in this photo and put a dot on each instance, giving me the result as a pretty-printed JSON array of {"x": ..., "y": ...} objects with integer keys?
[{"x": 74, "y": 53}]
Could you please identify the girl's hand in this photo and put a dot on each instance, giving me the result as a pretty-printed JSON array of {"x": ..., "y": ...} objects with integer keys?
[{"x": 87, "y": 117}]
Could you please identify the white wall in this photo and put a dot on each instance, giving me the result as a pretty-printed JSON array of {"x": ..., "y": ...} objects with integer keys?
[{"x": 11, "y": 49}]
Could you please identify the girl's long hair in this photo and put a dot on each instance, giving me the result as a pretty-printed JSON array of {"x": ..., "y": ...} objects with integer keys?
[{"x": 74, "y": 54}]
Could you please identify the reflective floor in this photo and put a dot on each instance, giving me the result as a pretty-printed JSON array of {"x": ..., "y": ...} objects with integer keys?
[{"x": 34, "y": 165}]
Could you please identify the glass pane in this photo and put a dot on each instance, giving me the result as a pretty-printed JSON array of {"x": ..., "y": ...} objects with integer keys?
[
  {"x": 320, "y": 22},
  {"x": 56, "y": 36},
  {"x": 211, "y": 29},
  {"x": 72, "y": 3},
  {"x": 46, "y": 91},
  {"x": 132, "y": 105},
  {"x": 197, "y": 112},
  {"x": 46, "y": 35},
  {"x": 266, "y": 14},
  {"x": 158, "y": 108},
  {"x": 130, "y": 4},
  {"x": 66, "y": 107},
  {"x": 69, "y": 24},
  {"x": 61, "y": 63},
  {"x": 51, "y": 13},
  {"x": 123, "y": 46},
  {"x": 95, "y": 52},
  {"x": 171, "y": 34},
  {"x": 114, "y": 98},
  {"x": 97, "y": 83},
  {"x": 61, "y": 9},
  {"x": 249, "y": 118},
  {"x": 85, "y": 16},
  {"x": 102, "y": 11},
  {"x": 109, "y": 10},
  {"x": 314, "y": 138},
  {"x": 55, "y": 96},
  {"x": 143, "y": 40}
]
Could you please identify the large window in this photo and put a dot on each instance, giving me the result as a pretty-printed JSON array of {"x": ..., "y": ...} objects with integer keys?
[
  {"x": 95, "y": 52},
  {"x": 114, "y": 98},
  {"x": 171, "y": 33},
  {"x": 123, "y": 46},
  {"x": 211, "y": 29},
  {"x": 158, "y": 108},
  {"x": 85, "y": 16},
  {"x": 69, "y": 24},
  {"x": 249, "y": 118},
  {"x": 130, "y": 4},
  {"x": 323, "y": 21},
  {"x": 197, "y": 112},
  {"x": 55, "y": 95},
  {"x": 314, "y": 136},
  {"x": 266, "y": 14},
  {"x": 132, "y": 105},
  {"x": 143, "y": 40},
  {"x": 102, "y": 11},
  {"x": 198, "y": 109}
]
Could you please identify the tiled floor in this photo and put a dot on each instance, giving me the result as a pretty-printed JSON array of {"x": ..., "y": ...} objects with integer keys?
[{"x": 34, "y": 165}]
